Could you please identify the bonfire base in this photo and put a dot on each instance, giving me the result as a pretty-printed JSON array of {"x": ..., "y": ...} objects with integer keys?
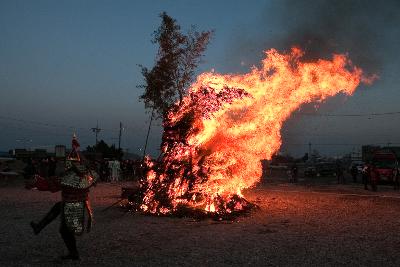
[
  {"x": 132, "y": 194},
  {"x": 200, "y": 214}
]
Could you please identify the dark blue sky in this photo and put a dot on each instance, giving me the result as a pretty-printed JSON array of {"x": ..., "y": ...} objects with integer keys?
[{"x": 72, "y": 63}]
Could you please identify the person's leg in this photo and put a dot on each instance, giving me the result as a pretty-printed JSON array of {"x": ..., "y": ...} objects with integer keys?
[
  {"x": 50, "y": 216},
  {"x": 69, "y": 240},
  {"x": 365, "y": 181},
  {"x": 374, "y": 185}
]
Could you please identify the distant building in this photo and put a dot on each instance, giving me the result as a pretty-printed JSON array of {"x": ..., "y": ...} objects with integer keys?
[
  {"x": 60, "y": 151},
  {"x": 368, "y": 151},
  {"x": 4, "y": 154},
  {"x": 395, "y": 149},
  {"x": 5, "y": 157},
  {"x": 23, "y": 154}
]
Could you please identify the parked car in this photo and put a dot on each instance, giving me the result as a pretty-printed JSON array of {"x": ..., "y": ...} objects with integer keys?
[
  {"x": 310, "y": 171},
  {"x": 320, "y": 169},
  {"x": 358, "y": 164},
  {"x": 385, "y": 163},
  {"x": 326, "y": 168}
]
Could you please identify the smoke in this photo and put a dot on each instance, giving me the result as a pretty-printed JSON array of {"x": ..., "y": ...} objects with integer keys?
[{"x": 367, "y": 30}]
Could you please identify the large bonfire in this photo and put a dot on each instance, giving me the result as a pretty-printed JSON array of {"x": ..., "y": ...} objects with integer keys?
[{"x": 214, "y": 139}]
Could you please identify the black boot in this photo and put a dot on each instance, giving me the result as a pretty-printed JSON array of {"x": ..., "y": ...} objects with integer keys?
[
  {"x": 36, "y": 228},
  {"x": 50, "y": 216},
  {"x": 70, "y": 242}
]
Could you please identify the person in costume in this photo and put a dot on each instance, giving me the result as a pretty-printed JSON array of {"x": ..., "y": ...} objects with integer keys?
[{"x": 74, "y": 186}]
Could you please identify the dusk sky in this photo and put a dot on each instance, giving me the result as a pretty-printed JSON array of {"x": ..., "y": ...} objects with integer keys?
[{"x": 64, "y": 65}]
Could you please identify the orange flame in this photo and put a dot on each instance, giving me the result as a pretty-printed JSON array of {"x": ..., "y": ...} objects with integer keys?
[{"x": 229, "y": 144}]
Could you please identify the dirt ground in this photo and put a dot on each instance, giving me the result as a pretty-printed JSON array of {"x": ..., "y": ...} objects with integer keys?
[{"x": 307, "y": 224}]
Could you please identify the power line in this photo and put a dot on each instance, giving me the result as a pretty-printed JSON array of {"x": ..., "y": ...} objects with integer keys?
[
  {"x": 348, "y": 115},
  {"x": 50, "y": 124},
  {"x": 119, "y": 136},
  {"x": 40, "y": 123},
  {"x": 44, "y": 133},
  {"x": 338, "y": 144},
  {"x": 96, "y": 131},
  {"x": 46, "y": 124}
]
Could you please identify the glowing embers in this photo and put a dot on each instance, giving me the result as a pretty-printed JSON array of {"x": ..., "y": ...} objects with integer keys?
[{"x": 214, "y": 139}]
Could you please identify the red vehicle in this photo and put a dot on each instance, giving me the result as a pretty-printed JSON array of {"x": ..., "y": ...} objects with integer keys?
[{"x": 385, "y": 163}]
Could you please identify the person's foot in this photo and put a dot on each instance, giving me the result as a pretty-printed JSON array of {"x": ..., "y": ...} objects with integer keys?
[
  {"x": 35, "y": 227},
  {"x": 74, "y": 257}
]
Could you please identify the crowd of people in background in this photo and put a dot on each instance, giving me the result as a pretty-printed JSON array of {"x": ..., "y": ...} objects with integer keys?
[
  {"x": 46, "y": 167},
  {"x": 113, "y": 170},
  {"x": 109, "y": 170},
  {"x": 370, "y": 175}
]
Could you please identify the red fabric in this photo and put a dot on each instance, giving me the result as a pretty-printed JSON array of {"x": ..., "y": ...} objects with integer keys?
[
  {"x": 69, "y": 194},
  {"x": 51, "y": 184},
  {"x": 75, "y": 143},
  {"x": 41, "y": 184}
]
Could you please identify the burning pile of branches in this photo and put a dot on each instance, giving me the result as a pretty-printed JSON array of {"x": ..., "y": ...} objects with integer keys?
[
  {"x": 215, "y": 137},
  {"x": 179, "y": 182}
]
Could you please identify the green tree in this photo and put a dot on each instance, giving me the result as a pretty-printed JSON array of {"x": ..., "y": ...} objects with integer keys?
[
  {"x": 177, "y": 59},
  {"x": 106, "y": 150}
]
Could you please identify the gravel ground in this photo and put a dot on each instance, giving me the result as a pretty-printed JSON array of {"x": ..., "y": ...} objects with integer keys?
[{"x": 301, "y": 224}]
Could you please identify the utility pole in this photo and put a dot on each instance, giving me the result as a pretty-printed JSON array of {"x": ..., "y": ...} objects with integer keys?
[
  {"x": 96, "y": 130},
  {"x": 120, "y": 133},
  {"x": 147, "y": 137}
]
